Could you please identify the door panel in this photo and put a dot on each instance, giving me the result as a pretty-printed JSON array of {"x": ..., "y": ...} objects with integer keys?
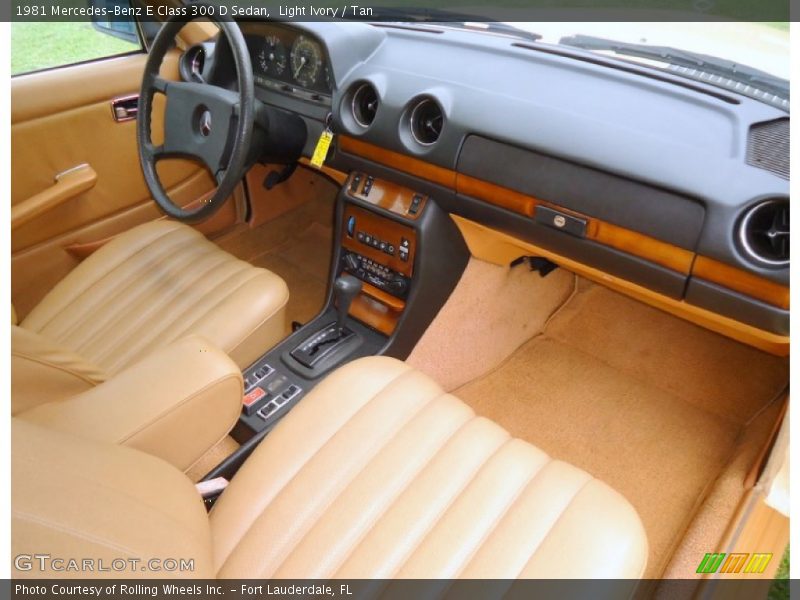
[{"x": 61, "y": 119}]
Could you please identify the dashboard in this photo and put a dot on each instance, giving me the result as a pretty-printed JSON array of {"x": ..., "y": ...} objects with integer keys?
[
  {"x": 673, "y": 185},
  {"x": 289, "y": 61}
]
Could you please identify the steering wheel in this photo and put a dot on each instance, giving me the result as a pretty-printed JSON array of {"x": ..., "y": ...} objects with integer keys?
[{"x": 202, "y": 121}]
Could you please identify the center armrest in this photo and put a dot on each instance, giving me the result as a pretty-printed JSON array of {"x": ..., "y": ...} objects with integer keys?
[{"x": 176, "y": 403}]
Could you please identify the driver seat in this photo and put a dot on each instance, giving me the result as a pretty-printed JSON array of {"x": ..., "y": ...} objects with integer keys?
[{"x": 146, "y": 288}]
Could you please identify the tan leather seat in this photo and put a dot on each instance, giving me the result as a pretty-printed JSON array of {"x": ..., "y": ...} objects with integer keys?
[
  {"x": 147, "y": 287},
  {"x": 375, "y": 474}
]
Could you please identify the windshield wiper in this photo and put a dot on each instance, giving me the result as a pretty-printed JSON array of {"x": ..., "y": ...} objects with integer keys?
[
  {"x": 446, "y": 18},
  {"x": 696, "y": 66}
]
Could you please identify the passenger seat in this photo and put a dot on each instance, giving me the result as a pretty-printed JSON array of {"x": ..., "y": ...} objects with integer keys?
[{"x": 376, "y": 474}]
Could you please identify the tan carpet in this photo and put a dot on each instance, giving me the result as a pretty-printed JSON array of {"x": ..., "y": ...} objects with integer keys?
[
  {"x": 650, "y": 404},
  {"x": 512, "y": 305},
  {"x": 297, "y": 246}
]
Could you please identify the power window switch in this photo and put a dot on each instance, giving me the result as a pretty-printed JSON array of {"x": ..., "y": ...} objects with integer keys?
[
  {"x": 416, "y": 200},
  {"x": 354, "y": 182}
]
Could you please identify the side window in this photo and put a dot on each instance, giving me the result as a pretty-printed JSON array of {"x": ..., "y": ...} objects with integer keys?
[{"x": 45, "y": 45}]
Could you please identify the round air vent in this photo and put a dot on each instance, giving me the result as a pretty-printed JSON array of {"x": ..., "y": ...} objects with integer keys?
[
  {"x": 427, "y": 120},
  {"x": 365, "y": 104},
  {"x": 764, "y": 232}
]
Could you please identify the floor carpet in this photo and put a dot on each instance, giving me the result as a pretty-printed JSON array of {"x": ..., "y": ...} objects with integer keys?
[
  {"x": 649, "y": 403},
  {"x": 296, "y": 246}
]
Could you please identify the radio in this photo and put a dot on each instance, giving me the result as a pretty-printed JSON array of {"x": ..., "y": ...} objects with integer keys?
[{"x": 374, "y": 273}]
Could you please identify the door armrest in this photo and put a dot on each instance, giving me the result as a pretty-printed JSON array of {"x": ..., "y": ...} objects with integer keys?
[
  {"x": 68, "y": 184},
  {"x": 177, "y": 403}
]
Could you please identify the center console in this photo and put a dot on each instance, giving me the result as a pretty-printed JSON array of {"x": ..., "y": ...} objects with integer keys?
[{"x": 397, "y": 257}]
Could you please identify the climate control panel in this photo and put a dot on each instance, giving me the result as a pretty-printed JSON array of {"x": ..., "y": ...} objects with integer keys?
[{"x": 375, "y": 273}]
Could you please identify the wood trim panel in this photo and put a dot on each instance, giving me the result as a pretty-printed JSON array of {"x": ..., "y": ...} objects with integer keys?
[
  {"x": 631, "y": 242},
  {"x": 500, "y": 249},
  {"x": 384, "y": 229},
  {"x": 401, "y": 162},
  {"x": 602, "y": 232},
  {"x": 374, "y": 314},
  {"x": 637, "y": 244},
  {"x": 389, "y": 196},
  {"x": 378, "y": 294},
  {"x": 497, "y": 195},
  {"x": 338, "y": 176},
  {"x": 741, "y": 281}
]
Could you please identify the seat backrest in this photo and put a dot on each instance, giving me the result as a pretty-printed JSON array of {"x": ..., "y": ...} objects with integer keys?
[{"x": 118, "y": 508}]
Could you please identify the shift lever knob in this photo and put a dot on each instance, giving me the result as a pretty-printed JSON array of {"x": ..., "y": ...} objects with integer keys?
[{"x": 345, "y": 289}]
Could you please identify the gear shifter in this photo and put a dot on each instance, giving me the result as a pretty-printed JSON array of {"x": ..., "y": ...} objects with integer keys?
[
  {"x": 334, "y": 341},
  {"x": 345, "y": 289}
]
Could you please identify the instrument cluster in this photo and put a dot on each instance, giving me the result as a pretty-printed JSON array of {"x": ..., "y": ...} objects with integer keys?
[{"x": 287, "y": 60}]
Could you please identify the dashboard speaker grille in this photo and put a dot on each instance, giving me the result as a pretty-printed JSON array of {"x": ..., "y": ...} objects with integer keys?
[{"x": 768, "y": 147}]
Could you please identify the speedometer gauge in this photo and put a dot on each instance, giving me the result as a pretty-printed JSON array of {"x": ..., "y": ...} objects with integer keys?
[
  {"x": 272, "y": 58},
  {"x": 306, "y": 60}
]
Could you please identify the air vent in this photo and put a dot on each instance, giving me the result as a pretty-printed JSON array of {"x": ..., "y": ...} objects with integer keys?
[
  {"x": 365, "y": 104},
  {"x": 768, "y": 147},
  {"x": 764, "y": 232},
  {"x": 427, "y": 121}
]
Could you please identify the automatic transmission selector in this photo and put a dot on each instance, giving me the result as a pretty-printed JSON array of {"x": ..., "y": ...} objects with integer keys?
[
  {"x": 335, "y": 337},
  {"x": 345, "y": 289}
]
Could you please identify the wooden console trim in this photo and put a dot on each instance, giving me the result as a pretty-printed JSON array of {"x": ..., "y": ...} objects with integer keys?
[
  {"x": 625, "y": 240},
  {"x": 375, "y": 314},
  {"x": 386, "y": 229},
  {"x": 385, "y": 298},
  {"x": 741, "y": 281},
  {"x": 401, "y": 162},
  {"x": 646, "y": 247},
  {"x": 501, "y": 249},
  {"x": 389, "y": 196},
  {"x": 338, "y": 176}
]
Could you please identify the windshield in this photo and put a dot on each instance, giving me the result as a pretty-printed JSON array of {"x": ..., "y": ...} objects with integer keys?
[
  {"x": 746, "y": 58},
  {"x": 756, "y": 54}
]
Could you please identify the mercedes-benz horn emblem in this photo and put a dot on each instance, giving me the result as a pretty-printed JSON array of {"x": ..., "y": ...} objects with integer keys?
[{"x": 205, "y": 123}]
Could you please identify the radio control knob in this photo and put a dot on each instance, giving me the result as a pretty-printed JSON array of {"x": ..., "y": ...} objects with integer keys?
[{"x": 398, "y": 285}]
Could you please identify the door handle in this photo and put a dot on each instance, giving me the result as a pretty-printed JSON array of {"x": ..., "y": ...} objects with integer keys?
[
  {"x": 125, "y": 108},
  {"x": 68, "y": 184}
]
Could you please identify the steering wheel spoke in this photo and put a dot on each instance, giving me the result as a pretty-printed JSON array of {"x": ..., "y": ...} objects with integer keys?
[
  {"x": 153, "y": 152},
  {"x": 160, "y": 84}
]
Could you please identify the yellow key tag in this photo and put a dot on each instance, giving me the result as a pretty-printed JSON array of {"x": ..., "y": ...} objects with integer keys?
[{"x": 321, "y": 151}]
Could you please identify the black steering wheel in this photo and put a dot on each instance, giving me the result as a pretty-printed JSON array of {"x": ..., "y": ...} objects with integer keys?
[{"x": 202, "y": 121}]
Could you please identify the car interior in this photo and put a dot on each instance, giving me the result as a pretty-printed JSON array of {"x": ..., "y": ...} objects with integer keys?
[{"x": 330, "y": 300}]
